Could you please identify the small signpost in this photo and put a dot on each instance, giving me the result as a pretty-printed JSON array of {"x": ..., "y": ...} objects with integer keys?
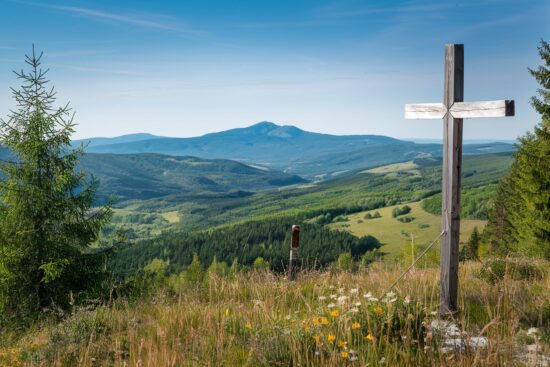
[
  {"x": 294, "y": 244},
  {"x": 452, "y": 111}
]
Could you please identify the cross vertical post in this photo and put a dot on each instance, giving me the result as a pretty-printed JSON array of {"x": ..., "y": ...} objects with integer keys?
[
  {"x": 452, "y": 164},
  {"x": 453, "y": 110}
]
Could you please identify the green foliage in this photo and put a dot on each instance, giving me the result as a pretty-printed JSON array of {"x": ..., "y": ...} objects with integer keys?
[
  {"x": 194, "y": 272},
  {"x": 46, "y": 221},
  {"x": 370, "y": 257},
  {"x": 269, "y": 239},
  {"x": 345, "y": 262},
  {"x": 470, "y": 251},
  {"x": 520, "y": 220},
  {"x": 157, "y": 268},
  {"x": 476, "y": 202},
  {"x": 260, "y": 264},
  {"x": 372, "y": 216},
  {"x": 519, "y": 269},
  {"x": 396, "y": 212},
  {"x": 218, "y": 268},
  {"x": 406, "y": 219}
]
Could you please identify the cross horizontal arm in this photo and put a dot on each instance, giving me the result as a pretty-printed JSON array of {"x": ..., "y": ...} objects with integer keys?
[
  {"x": 468, "y": 110},
  {"x": 425, "y": 111}
]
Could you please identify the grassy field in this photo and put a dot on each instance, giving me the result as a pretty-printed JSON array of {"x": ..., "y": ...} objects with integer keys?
[
  {"x": 395, "y": 235},
  {"x": 323, "y": 319}
]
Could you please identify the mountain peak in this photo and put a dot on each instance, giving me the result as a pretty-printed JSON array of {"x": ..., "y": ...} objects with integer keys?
[{"x": 271, "y": 129}]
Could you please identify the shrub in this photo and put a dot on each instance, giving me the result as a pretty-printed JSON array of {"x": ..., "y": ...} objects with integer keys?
[
  {"x": 260, "y": 264},
  {"x": 397, "y": 211},
  {"x": 496, "y": 269},
  {"x": 407, "y": 219},
  {"x": 345, "y": 262}
]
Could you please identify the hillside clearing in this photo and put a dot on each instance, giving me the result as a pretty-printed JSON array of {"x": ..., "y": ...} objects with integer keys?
[{"x": 395, "y": 235}]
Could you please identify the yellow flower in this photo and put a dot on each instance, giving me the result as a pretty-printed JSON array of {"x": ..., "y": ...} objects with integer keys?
[
  {"x": 344, "y": 354},
  {"x": 331, "y": 338},
  {"x": 369, "y": 337},
  {"x": 334, "y": 313},
  {"x": 378, "y": 310},
  {"x": 227, "y": 312},
  {"x": 323, "y": 321},
  {"x": 248, "y": 326},
  {"x": 355, "y": 325},
  {"x": 316, "y": 321},
  {"x": 342, "y": 344},
  {"x": 317, "y": 339}
]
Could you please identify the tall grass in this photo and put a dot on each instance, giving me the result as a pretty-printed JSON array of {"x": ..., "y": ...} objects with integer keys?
[{"x": 324, "y": 319}]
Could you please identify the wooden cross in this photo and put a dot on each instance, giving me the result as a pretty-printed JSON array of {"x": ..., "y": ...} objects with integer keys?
[{"x": 453, "y": 110}]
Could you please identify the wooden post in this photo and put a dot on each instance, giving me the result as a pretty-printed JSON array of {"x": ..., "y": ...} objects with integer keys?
[
  {"x": 452, "y": 163},
  {"x": 412, "y": 252},
  {"x": 453, "y": 110},
  {"x": 294, "y": 244}
]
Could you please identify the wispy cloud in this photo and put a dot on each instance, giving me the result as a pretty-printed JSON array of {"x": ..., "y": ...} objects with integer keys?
[{"x": 336, "y": 11}]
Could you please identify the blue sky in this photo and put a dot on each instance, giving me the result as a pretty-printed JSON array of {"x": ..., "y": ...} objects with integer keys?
[{"x": 185, "y": 68}]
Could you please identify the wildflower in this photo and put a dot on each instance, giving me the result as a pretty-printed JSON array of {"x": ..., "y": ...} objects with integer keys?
[
  {"x": 369, "y": 337},
  {"x": 354, "y": 290},
  {"x": 333, "y": 296},
  {"x": 331, "y": 305},
  {"x": 391, "y": 300},
  {"x": 357, "y": 304},
  {"x": 342, "y": 344},
  {"x": 345, "y": 354},
  {"x": 341, "y": 290},
  {"x": 316, "y": 321},
  {"x": 248, "y": 326},
  {"x": 355, "y": 325},
  {"x": 378, "y": 310},
  {"x": 382, "y": 360},
  {"x": 227, "y": 312},
  {"x": 367, "y": 295},
  {"x": 317, "y": 339},
  {"x": 323, "y": 321},
  {"x": 331, "y": 338},
  {"x": 407, "y": 300},
  {"x": 390, "y": 294},
  {"x": 322, "y": 298},
  {"x": 354, "y": 310},
  {"x": 342, "y": 299},
  {"x": 288, "y": 317},
  {"x": 334, "y": 313},
  {"x": 532, "y": 331}
]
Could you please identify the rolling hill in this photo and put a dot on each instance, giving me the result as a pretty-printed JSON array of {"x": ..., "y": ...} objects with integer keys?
[{"x": 147, "y": 176}]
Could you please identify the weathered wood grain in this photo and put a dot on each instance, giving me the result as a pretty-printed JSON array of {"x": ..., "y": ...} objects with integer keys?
[
  {"x": 425, "y": 111},
  {"x": 468, "y": 110}
]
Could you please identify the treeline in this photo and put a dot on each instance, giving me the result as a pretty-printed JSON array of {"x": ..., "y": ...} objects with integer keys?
[
  {"x": 476, "y": 203},
  {"x": 245, "y": 242}
]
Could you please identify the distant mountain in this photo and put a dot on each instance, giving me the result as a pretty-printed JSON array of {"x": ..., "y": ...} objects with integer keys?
[
  {"x": 146, "y": 176},
  {"x": 289, "y": 148},
  {"x": 130, "y": 138}
]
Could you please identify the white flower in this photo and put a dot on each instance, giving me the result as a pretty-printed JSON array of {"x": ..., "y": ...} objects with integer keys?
[
  {"x": 367, "y": 295},
  {"x": 532, "y": 331},
  {"x": 322, "y": 298},
  {"x": 354, "y": 310},
  {"x": 390, "y": 294},
  {"x": 333, "y": 296},
  {"x": 342, "y": 299},
  {"x": 354, "y": 290},
  {"x": 331, "y": 305},
  {"x": 382, "y": 360},
  {"x": 373, "y": 299},
  {"x": 407, "y": 300},
  {"x": 391, "y": 300},
  {"x": 341, "y": 290},
  {"x": 357, "y": 304},
  {"x": 288, "y": 317}
]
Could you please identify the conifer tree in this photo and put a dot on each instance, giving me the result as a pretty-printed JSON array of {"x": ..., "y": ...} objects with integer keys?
[
  {"x": 47, "y": 223},
  {"x": 520, "y": 220}
]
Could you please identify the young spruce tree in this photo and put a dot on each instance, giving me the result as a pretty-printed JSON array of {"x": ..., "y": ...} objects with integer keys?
[
  {"x": 520, "y": 220},
  {"x": 47, "y": 222}
]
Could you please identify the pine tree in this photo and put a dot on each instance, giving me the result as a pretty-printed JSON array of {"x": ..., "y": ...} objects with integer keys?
[
  {"x": 47, "y": 223},
  {"x": 520, "y": 220}
]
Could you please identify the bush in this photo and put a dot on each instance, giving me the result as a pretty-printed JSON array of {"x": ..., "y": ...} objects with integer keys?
[
  {"x": 372, "y": 216},
  {"x": 496, "y": 269},
  {"x": 345, "y": 262},
  {"x": 397, "y": 211},
  {"x": 260, "y": 264},
  {"x": 407, "y": 219}
]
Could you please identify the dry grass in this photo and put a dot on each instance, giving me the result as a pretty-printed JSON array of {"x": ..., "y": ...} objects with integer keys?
[{"x": 260, "y": 319}]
